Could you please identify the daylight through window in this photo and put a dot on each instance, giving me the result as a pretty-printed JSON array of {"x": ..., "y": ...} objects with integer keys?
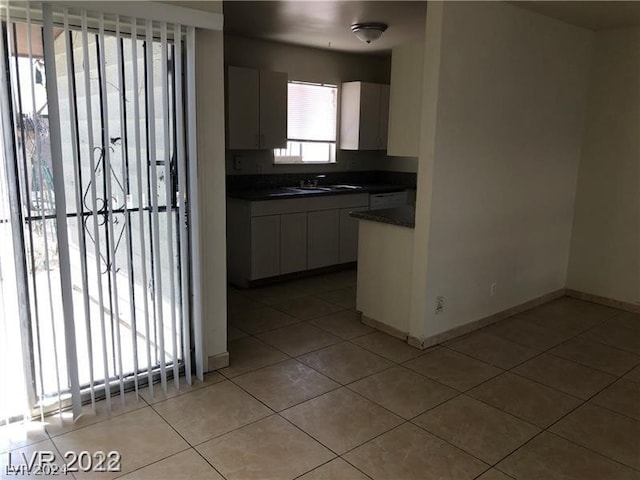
[{"x": 312, "y": 112}]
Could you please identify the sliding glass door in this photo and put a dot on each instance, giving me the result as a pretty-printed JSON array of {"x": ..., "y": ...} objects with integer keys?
[{"x": 100, "y": 164}]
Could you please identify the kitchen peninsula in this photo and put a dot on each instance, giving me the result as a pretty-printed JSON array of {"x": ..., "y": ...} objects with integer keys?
[{"x": 385, "y": 257}]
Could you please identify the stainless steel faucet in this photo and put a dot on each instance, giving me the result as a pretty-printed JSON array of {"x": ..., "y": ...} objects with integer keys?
[{"x": 312, "y": 182}]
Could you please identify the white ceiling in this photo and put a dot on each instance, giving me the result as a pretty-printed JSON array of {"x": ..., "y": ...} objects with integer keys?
[
  {"x": 325, "y": 23},
  {"x": 594, "y": 15}
]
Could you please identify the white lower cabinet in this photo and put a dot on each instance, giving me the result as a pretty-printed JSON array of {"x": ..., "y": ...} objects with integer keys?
[
  {"x": 268, "y": 238},
  {"x": 293, "y": 242},
  {"x": 265, "y": 246},
  {"x": 323, "y": 238},
  {"x": 349, "y": 235}
]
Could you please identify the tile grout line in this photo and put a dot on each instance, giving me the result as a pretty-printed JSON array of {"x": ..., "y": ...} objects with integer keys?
[
  {"x": 154, "y": 462},
  {"x": 598, "y": 324},
  {"x": 193, "y": 447},
  {"x": 543, "y": 429},
  {"x": 400, "y": 364},
  {"x": 326, "y": 463},
  {"x": 273, "y": 413},
  {"x": 140, "y": 397},
  {"x": 546, "y": 429},
  {"x": 540, "y": 353},
  {"x": 55, "y": 445},
  {"x": 395, "y": 363},
  {"x": 355, "y": 466},
  {"x": 109, "y": 417},
  {"x": 608, "y": 408},
  {"x": 346, "y": 385},
  {"x": 515, "y": 366},
  {"x": 340, "y": 339}
]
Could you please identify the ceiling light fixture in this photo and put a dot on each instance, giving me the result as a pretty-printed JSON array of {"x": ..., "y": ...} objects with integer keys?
[{"x": 368, "y": 32}]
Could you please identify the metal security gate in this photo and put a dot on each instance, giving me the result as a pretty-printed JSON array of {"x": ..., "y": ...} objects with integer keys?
[{"x": 97, "y": 162}]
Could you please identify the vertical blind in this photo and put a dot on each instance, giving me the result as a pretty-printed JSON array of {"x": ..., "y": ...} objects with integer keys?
[{"x": 98, "y": 196}]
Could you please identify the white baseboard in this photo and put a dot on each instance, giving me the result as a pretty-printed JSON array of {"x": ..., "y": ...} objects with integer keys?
[
  {"x": 483, "y": 322},
  {"x": 609, "y": 302},
  {"x": 394, "y": 332},
  {"x": 216, "y": 362},
  {"x": 424, "y": 343}
]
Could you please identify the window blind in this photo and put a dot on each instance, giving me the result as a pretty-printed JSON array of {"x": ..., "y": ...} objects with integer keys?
[{"x": 312, "y": 112}]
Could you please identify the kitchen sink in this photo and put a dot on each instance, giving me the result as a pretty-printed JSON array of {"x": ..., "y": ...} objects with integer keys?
[
  {"x": 278, "y": 194},
  {"x": 325, "y": 188},
  {"x": 345, "y": 187},
  {"x": 309, "y": 189}
]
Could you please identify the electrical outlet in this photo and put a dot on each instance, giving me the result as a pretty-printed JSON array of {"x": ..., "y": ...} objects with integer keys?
[
  {"x": 237, "y": 162},
  {"x": 439, "y": 304},
  {"x": 493, "y": 288}
]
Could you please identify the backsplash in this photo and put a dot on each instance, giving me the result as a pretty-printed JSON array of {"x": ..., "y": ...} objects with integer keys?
[
  {"x": 244, "y": 182},
  {"x": 256, "y": 162}
]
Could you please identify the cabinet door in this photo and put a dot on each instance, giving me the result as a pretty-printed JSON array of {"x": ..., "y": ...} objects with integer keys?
[
  {"x": 369, "y": 116},
  {"x": 350, "y": 116},
  {"x": 293, "y": 242},
  {"x": 243, "y": 132},
  {"x": 273, "y": 110},
  {"x": 383, "y": 117},
  {"x": 265, "y": 246},
  {"x": 349, "y": 235},
  {"x": 323, "y": 238}
]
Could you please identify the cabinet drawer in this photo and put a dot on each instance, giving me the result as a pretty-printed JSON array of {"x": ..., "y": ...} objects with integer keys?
[
  {"x": 277, "y": 207},
  {"x": 388, "y": 200},
  {"x": 337, "y": 201},
  {"x": 309, "y": 204}
]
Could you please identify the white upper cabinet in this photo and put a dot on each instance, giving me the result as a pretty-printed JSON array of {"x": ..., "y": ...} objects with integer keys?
[
  {"x": 364, "y": 116},
  {"x": 256, "y": 109},
  {"x": 273, "y": 109},
  {"x": 405, "y": 103}
]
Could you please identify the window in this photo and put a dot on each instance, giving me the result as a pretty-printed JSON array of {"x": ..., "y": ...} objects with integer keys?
[{"x": 312, "y": 111}]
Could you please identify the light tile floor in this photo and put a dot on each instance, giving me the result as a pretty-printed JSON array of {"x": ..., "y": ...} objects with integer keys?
[{"x": 312, "y": 393}]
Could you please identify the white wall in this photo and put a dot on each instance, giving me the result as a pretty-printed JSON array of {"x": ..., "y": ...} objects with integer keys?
[
  {"x": 605, "y": 246},
  {"x": 304, "y": 63},
  {"x": 211, "y": 173},
  {"x": 502, "y": 147},
  {"x": 405, "y": 99}
]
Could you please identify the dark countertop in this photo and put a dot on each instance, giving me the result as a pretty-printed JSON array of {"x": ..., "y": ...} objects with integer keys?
[
  {"x": 404, "y": 216},
  {"x": 276, "y": 193}
]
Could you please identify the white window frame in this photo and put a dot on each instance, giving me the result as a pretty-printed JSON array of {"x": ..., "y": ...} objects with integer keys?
[{"x": 294, "y": 153}]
